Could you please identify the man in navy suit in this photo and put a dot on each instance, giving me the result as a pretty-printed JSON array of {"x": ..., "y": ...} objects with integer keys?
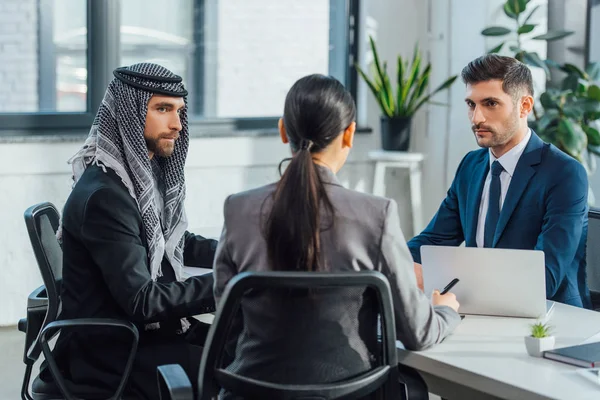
[{"x": 516, "y": 192}]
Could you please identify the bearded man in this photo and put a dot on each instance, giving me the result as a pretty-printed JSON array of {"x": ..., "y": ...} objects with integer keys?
[
  {"x": 517, "y": 192},
  {"x": 125, "y": 241}
]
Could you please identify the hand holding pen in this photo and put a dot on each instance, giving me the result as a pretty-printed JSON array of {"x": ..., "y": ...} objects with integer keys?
[{"x": 446, "y": 298}]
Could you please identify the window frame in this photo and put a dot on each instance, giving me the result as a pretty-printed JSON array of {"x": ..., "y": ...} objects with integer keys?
[{"x": 103, "y": 53}]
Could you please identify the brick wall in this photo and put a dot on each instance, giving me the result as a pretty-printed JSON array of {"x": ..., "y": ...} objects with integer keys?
[{"x": 18, "y": 56}]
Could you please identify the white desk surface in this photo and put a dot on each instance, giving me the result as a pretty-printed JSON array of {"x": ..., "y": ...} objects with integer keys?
[
  {"x": 487, "y": 355},
  {"x": 193, "y": 271}
]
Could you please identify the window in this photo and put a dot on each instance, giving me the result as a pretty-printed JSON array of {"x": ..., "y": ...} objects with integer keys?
[
  {"x": 40, "y": 44},
  {"x": 237, "y": 58}
]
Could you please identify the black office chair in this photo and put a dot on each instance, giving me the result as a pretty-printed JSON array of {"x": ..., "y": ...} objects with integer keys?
[
  {"x": 43, "y": 308},
  {"x": 593, "y": 256},
  {"x": 383, "y": 379}
]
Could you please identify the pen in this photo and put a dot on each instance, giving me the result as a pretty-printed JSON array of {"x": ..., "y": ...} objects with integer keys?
[{"x": 450, "y": 285}]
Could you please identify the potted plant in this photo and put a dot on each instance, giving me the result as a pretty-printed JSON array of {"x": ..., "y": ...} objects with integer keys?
[
  {"x": 539, "y": 340},
  {"x": 571, "y": 115},
  {"x": 522, "y": 30},
  {"x": 398, "y": 106}
]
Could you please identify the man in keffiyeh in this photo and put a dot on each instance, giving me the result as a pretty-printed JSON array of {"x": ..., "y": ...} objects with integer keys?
[{"x": 125, "y": 242}]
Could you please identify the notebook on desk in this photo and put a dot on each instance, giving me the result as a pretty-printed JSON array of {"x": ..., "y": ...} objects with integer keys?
[{"x": 582, "y": 355}]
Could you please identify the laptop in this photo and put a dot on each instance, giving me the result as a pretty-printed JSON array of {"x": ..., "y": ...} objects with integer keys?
[{"x": 498, "y": 282}]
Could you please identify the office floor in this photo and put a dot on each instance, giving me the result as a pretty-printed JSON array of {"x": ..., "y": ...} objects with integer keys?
[
  {"x": 11, "y": 362},
  {"x": 12, "y": 367}
]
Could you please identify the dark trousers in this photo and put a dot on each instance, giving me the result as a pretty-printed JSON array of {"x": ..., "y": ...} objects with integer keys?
[
  {"x": 412, "y": 386},
  {"x": 185, "y": 350}
]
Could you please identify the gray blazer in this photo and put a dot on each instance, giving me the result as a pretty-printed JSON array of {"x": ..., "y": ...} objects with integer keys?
[{"x": 365, "y": 235}]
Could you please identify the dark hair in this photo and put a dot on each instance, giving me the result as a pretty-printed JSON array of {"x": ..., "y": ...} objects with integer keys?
[
  {"x": 515, "y": 75},
  {"x": 317, "y": 110}
]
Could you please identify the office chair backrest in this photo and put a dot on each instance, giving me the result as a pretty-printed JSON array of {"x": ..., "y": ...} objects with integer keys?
[
  {"x": 248, "y": 284},
  {"x": 42, "y": 222},
  {"x": 593, "y": 255}
]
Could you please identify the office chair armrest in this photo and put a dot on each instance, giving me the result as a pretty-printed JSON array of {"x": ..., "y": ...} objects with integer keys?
[
  {"x": 37, "y": 308},
  {"x": 173, "y": 383},
  {"x": 38, "y": 298},
  {"x": 70, "y": 323}
]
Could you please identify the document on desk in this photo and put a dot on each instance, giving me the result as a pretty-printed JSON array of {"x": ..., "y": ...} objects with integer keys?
[{"x": 592, "y": 339}]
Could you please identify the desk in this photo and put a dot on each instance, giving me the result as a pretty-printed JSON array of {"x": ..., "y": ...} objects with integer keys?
[
  {"x": 194, "y": 271},
  {"x": 400, "y": 159},
  {"x": 485, "y": 358}
]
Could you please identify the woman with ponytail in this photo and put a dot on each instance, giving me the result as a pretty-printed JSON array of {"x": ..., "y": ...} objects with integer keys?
[{"x": 307, "y": 221}]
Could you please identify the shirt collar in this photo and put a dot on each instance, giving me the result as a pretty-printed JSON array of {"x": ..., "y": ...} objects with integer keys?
[{"x": 510, "y": 159}]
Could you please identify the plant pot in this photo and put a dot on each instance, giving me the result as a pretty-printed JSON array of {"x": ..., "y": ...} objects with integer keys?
[
  {"x": 536, "y": 346},
  {"x": 395, "y": 133}
]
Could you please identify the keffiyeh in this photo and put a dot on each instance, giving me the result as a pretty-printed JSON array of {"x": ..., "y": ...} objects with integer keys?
[{"x": 116, "y": 141}]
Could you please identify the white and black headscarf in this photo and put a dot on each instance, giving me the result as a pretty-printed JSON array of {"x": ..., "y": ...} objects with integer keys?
[{"x": 116, "y": 141}]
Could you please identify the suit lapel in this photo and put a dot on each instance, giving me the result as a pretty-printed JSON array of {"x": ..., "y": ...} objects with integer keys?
[
  {"x": 532, "y": 155},
  {"x": 480, "y": 169}
]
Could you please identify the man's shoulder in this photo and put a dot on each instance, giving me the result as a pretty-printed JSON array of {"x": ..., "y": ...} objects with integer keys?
[
  {"x": 102, "y": 185},
  {"x": 475, "y": 156}
]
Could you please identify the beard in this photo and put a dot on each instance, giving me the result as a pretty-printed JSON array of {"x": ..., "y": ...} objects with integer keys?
[
  {"x": 497, "y": 136},
  {"x": 161, "y": 147}
]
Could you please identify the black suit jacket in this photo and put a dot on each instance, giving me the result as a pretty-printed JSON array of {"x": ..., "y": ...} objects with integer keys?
[{"x": 106, "y": 275}]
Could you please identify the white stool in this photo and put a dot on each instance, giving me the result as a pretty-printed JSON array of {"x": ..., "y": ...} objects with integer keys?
[{"x": 400, "y": 159}]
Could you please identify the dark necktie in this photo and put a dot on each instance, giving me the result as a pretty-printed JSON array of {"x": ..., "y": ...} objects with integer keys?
[{"x": 493, "y": 212}]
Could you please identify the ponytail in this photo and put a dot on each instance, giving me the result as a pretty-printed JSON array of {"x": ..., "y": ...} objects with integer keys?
[{"x": 293, "y": 226}]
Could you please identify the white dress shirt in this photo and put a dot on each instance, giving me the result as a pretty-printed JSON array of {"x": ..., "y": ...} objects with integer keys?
[{"x": 509, "y": 163}]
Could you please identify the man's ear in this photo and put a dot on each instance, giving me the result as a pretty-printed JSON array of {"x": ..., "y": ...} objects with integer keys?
[
  {"x": 282, "y": 133},
  {"x": 526, "y": 105},
  {"x": 348, "y": 135}
]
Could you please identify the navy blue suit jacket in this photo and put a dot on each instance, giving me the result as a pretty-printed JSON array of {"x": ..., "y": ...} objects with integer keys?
[{"x": 545, "y": 209}]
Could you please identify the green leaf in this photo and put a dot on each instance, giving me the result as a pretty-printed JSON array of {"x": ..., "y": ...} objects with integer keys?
[
  {"x": 387, "y": 92},
  {"x": 540, "y": 330},
  {"x": 553, "y": 64},
  {"x": 594, "y": 92},
  {"x": 572, "y": 136},
  {"x": 526, "y": 28},
  {"x": 443, "y": 86},
  {"x": 573, "y": 111},
  {"x": 593, "y": 135},
  {"x": 421, "y": 85},
  {"x": 594, "y": 149},
  {"x": 510, "y": 13},
  {"x": 412, "y": 79},
  {"x": 572, "y": 69},
  {"x": 574, "y": 84},
  {"x": 514, "y": 48},
  {"x": 548, "y": 102},
  {"x": 497, "y": 48},
  {"x": 384, "y": 95},
  {"x": 516, "y": 6},
  {"x": 400, "y": 81},
  {"x": 535, "y": 60},
  {"x": 531, "y": 13},
  {"x": 588, "y": 105},
  {"x": 593, "y": 71},
  {"x": 553, "y": 35},
  {"x": 495, "y": 31},
  {"x": 374, "y": 88},
  {"x": 547, "y": 119}
]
